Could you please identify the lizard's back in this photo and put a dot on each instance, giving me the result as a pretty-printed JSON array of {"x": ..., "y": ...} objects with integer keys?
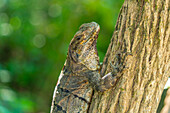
[{"x": 73, "y": 94}]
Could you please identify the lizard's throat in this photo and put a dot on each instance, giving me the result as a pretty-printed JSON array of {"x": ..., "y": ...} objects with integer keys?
[{"x": 91, "y": 61}]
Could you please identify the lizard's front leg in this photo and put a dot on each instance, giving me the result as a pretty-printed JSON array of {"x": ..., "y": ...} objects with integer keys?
[
  {"x": 107, "y": 82},
  {"x": 110, "y": 79},
  {"x": 101, "y": 84}
]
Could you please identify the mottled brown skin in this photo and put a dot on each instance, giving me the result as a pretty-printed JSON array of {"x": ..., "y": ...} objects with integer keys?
[{"x": 81, "y": 73}]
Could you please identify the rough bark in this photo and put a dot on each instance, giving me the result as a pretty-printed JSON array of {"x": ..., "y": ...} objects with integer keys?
[{"x": 142, "y": 30}]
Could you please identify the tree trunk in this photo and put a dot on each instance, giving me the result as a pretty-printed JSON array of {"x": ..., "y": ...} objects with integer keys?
[{"x": 143, "y": 31}]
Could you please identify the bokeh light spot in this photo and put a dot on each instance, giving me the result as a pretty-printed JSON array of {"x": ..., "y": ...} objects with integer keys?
[
  {"x": 38, "y": 18},
  {"x": 4, "y": 18},
  {"x": 39, "y": 40},
  {"x": 54, "y": 10},
  {"x": 7, "y": 94},
  {"x": 2, "y": 3},
  {"x": 15, "y": 22},
  {"x": 52, "y": 30},
  {"x": 5, "y": 76},
  {"x": 5, "y": 29}
]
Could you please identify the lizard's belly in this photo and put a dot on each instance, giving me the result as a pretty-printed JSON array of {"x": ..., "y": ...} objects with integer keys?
[{"x": 73, "y": 95}]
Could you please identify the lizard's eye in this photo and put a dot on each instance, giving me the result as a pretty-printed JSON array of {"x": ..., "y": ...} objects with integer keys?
[{"x": 79, "y": 37}]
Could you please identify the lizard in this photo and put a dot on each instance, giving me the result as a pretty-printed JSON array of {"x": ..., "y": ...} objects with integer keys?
[{"x": 80, "y": 75}]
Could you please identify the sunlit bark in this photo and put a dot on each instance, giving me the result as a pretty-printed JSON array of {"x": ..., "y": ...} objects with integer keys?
[{"x": 142, "y": 30}]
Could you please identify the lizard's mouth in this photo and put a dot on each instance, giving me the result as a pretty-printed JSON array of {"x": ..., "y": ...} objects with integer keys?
[
  {"x": 93, "y": 39},
  {"x": 97, "y": 32},
  {"x": 94, "y": 34}
]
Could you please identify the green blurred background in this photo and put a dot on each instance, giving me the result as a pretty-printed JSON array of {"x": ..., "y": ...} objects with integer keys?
[{"x": 34, "y": 38}]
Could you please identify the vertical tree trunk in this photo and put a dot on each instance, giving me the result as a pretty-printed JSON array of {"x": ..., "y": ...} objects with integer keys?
[{"x": 142, "y": 30}]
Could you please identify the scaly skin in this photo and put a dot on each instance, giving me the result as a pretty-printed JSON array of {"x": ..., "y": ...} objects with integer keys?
[{"x": 80, "y": 75}]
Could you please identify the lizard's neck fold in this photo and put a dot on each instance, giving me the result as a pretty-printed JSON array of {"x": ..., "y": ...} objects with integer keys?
[{"x": 75, "y": 67}]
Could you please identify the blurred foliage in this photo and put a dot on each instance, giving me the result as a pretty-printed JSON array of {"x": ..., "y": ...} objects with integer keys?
[{"x": 34, "y": 38}]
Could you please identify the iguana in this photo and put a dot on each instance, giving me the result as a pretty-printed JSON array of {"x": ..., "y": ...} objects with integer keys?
[{"x": 80, "y": 75}]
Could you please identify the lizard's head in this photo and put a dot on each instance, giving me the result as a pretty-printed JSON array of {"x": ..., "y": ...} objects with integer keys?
[{"x": 82, "y": 49}]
